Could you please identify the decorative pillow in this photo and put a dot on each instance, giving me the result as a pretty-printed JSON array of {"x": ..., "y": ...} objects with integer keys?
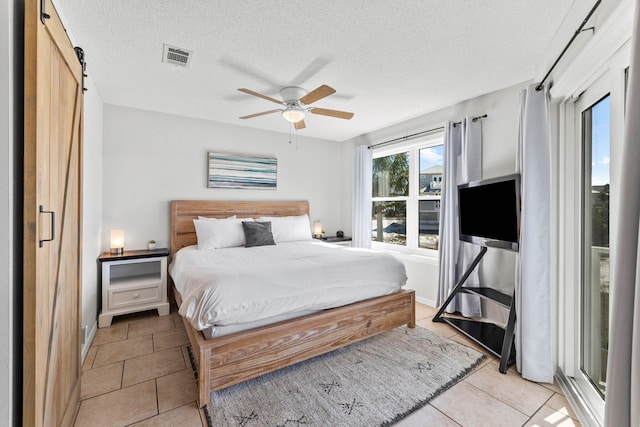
[
  {"x": 289, "y": 228},
  {"x": 257, "y": 233},
  {"x": 219, "y": 233}
]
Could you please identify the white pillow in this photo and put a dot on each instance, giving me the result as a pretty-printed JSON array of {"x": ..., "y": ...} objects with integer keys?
[
  {"x": 221, "y": 233},
  {"x": 289, "y": 228}
]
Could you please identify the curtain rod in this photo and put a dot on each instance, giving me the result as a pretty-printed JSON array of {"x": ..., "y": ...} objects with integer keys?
[
  {"x": 424, "y": 132},
  {"x": 475, "y": 119},
  {"x": 575, "y": 35},
  {"x": 405, "y": 138}
]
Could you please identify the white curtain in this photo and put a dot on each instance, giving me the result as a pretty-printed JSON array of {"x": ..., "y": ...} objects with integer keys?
[
  {"x": 534, "y": 356},
  {"x": 462, "y": 163},
  {"x": 622, "y": 398},
  {"x": 362, "y": 189}
]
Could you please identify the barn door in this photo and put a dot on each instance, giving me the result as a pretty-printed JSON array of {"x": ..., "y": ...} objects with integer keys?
[{"x": 52, "y": 220}]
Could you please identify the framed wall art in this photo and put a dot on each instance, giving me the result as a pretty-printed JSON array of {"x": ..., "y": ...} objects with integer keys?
[{"x": 242, "y": 171}]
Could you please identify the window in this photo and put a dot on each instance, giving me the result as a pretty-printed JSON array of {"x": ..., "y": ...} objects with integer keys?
[
  {"x": 407, "y": 188},
  {"x": 390, "y": 191},
  {"x": 588, "y": 188},
  {"x": 596, "y": 156},
  {"x": 430, "y": 193}
]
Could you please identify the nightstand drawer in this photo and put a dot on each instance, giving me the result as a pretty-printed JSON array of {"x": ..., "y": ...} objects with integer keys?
[{"x": 119, "y": 298}]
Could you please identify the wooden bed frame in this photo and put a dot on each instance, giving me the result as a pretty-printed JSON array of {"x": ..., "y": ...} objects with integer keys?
[{"x": 232, "y": 359}]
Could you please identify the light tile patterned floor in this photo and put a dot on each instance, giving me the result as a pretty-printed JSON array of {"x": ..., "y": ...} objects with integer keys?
[{"x": 138, "y": 373}]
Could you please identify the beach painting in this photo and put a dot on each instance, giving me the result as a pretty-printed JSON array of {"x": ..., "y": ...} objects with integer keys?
[{"x": 241, "y": 171}]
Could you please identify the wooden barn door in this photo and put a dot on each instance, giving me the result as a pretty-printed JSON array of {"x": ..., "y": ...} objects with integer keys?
[{"x": 52, "y": 220}]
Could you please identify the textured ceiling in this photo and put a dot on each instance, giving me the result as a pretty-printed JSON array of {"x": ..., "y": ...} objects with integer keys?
[{"x": 389, "y": 61}]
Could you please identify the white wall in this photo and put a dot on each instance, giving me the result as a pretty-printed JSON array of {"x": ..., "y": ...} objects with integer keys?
[
  {"x": 91, "y": 207},
  {"x": 11, "y": 77},
  {"x": 499, "y": 135},
  {"x": 151, "y": 158},
  {"x": 6, "y": 237}
]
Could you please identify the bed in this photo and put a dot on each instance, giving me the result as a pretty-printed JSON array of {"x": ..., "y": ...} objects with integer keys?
[{"x": 237, "y": 356}]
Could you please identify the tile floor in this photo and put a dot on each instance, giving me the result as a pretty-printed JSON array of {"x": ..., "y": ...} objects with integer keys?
[{"x": 138, "y": 373}]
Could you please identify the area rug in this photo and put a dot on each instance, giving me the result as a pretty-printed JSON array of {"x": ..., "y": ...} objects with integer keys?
[{"x": 375, "y": 382}]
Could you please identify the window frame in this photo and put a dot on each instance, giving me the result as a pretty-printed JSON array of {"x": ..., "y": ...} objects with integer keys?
[
  {"x": 413, "y": 148},
  {"x": 608, "y": 79}
]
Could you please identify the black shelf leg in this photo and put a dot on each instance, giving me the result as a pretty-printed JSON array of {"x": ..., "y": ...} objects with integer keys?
[
  {"x": 465, "y": 276},
  {"x": 505, "y": 356}
]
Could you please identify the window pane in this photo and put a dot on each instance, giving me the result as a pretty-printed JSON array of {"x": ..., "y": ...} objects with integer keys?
[
  {"x": 389, "y": 222},
  {"x": 429, "y": 224},
  {"x": 391, "y": 175},
  {"x": 595, "y": 254},
  {"x": 431, "y": 167}
]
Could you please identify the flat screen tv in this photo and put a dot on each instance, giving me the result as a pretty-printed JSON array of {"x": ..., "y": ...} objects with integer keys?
[{"x": 489, "y": 212}]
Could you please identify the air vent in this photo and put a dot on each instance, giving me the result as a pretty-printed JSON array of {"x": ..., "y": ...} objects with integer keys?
[{"x": 176, "y": 56}]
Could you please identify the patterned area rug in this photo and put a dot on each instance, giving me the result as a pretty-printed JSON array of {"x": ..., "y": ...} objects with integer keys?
[{"x": 375, "y": 382}]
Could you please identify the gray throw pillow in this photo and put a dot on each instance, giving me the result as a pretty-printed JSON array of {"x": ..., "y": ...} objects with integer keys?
[{"x": 257, "y": 233}]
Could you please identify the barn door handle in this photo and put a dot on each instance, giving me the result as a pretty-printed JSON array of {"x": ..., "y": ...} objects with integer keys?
[
  {"x": 53, "y": 225},
  {"x": 43, "y": 15}
]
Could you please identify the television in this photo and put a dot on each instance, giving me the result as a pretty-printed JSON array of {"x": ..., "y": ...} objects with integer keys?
[{"x": 489, "y": 212}]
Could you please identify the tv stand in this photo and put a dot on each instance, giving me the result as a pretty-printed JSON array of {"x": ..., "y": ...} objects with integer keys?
[{"x": 498, "y": 340}]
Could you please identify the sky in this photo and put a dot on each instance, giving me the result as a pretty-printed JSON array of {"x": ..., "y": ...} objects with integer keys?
[
  {"x": 600, "y": 148},
  {"x": 431, "y": 156}
]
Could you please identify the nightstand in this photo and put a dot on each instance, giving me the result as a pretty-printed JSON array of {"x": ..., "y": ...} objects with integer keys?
[
  {"x": 342, "y": 241},
  {"x": 133, "y": 281}
]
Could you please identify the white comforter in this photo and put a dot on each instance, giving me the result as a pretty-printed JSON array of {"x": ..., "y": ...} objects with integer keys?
[{"x": 238, "y": 285}]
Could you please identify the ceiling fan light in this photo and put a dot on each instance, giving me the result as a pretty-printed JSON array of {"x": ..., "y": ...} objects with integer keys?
[{"x": 293, "y": 114}]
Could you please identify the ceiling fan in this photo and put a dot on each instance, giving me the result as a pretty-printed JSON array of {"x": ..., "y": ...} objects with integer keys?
[{"x": 295, "y": 101}]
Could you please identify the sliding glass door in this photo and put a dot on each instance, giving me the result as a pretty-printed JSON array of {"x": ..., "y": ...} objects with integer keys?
[
  {"x": 592, "y": 93},
  {"x": 587, "y": 209},
  {"x": 596, "y": 185}
]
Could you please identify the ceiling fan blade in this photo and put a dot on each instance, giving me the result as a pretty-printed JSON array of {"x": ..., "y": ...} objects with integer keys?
[
  {"x": 310, "y": 70},
  {"x": 259, "y": 95},
  {"x": 333, "y": 113},
  {"x": 259, "y": 114},
  {"x": 316, "y": 94},
  {"x": 300, "y": 125},
  {"x": 235, "y": 65}
]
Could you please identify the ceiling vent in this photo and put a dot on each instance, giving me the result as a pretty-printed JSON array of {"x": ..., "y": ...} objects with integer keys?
[{"x": 176, "y": 56}]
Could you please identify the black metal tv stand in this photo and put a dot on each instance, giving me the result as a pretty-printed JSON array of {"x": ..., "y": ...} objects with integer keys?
[{"x": 498, "y": 340}]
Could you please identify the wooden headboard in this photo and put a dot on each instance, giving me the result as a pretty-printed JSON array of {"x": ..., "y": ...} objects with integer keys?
[{"x": 183, "y": 212}]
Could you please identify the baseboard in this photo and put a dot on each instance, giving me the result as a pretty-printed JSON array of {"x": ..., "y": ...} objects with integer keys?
[
  {"x": 87, "y": 343},
  {"x": 426, "y": 301}
]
